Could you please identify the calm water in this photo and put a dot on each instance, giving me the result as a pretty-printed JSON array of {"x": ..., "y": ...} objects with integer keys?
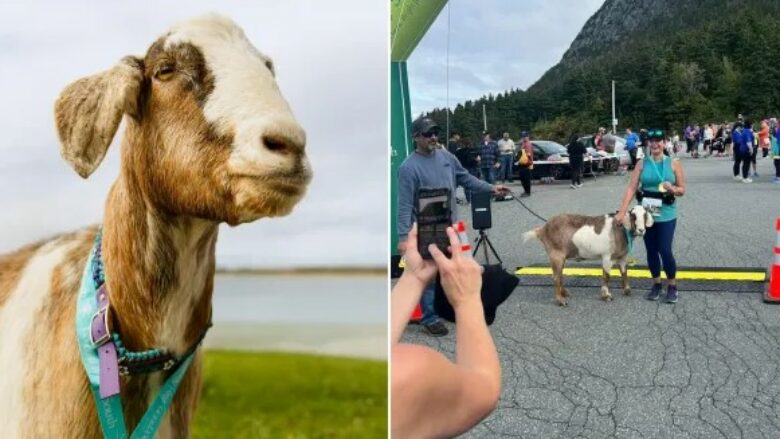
[{"x": 300, "y": 299}]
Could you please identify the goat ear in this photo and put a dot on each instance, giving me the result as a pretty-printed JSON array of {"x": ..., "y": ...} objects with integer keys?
[
  {"x": 648, "y": 219},
  {"x": 88, "y": 112}
]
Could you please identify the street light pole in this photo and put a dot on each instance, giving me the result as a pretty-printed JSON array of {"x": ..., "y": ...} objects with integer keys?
[{"x": 614, "y": 121}]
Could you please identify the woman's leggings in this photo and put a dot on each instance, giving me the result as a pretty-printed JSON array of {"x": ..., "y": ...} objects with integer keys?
[{"x": 658, "y": 242}]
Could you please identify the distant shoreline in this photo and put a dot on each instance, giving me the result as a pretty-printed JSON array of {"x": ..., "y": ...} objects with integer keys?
[{"x": 306, "y": 271}]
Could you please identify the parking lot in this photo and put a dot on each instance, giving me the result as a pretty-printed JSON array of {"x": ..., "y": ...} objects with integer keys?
[{"x": 706, "y": 367}]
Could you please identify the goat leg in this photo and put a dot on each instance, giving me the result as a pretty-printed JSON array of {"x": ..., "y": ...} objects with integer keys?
[
  {"x": 556, "y": 262},
  {"x": 624, "y": 276},
  {"x": 607, "y": 266}
]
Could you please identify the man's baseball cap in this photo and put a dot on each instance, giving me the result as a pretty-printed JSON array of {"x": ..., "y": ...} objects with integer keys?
[
  {"x": 424, "y": 125},
  {"x": 524, "y": 134}
]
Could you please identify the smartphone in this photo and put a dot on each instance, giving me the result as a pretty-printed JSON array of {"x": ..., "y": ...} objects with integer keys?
[{"x": 434, "y": 215}]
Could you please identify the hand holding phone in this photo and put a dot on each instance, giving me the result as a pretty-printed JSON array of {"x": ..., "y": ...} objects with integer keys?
[{"x": 434, "y": 215}]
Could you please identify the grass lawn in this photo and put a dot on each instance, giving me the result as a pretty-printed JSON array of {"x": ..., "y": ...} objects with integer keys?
[{"x": 280, "y": 395}]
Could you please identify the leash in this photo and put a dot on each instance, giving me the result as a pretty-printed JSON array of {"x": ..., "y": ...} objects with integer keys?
[
  {"x": 105, "y": 358},
  {"x": 514, "y": 197}
]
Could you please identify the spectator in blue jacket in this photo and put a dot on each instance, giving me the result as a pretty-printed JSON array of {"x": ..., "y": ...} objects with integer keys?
[
  {"x": 776, "y": 153},
  {"x": 488, "y": 154},
  {"x": 743, "y": 149},
  {"x": 631, "y": 145}
]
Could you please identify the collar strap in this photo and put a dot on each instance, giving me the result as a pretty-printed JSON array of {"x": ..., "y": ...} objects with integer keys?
[
  {"x": 629, "y": 238},
  {"x": 111, "y": 349},
  {"x": 104, "y": 357}
]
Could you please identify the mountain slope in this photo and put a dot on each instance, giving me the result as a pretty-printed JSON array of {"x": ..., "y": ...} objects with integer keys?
[{"x": 674, "y": 62}]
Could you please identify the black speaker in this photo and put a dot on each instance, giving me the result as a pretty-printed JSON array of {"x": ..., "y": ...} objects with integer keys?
[{"x": 481, "y": 218}]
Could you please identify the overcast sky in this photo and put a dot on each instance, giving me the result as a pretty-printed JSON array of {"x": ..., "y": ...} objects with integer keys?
[
  {"x": 331, "y": 60},
  {"x": 494, "y": 45}
]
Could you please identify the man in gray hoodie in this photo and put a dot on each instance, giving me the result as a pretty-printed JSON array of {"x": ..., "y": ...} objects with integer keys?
[{"x": 431, "y": 167}]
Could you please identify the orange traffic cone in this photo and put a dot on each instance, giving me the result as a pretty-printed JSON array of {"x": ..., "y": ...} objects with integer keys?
[{"x": 772, "y": 294}]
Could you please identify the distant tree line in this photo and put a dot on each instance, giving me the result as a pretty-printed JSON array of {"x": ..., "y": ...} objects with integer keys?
[{"x": 708, "y": 71}]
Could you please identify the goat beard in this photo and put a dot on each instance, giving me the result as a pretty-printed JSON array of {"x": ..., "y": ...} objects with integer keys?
[{"x": 251, "y": 205}]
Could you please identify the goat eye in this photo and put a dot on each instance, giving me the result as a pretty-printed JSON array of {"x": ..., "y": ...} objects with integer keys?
[{"x": 164, "y": 73}]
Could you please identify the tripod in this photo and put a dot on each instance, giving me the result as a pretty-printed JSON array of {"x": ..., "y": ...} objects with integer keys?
[{"x": 484, "y": 238}]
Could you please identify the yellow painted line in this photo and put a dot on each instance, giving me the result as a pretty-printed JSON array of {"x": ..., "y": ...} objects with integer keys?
[{"x": 755, "y": 276}]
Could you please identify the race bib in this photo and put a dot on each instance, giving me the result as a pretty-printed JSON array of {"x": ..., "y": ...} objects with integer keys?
[{"x": 652, "y": 205}]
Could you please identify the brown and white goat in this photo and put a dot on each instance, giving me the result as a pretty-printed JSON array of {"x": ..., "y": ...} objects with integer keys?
[
  {"x": 208, "y": 139},
  {"x": 582, "y": 237}
]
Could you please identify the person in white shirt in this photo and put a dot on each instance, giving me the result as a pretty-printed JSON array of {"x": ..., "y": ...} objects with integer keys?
[
  {"x": 506, "y": 151},
  {"x": 709, "y": 134}
]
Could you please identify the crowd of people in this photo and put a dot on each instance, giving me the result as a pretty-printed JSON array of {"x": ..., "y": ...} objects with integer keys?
[
  {"x": 493, "y": 161},
  {"x": 743, "y": 140}
]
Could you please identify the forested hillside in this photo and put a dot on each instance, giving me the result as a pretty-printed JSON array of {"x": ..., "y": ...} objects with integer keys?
[{"x": 674, "y": 62}]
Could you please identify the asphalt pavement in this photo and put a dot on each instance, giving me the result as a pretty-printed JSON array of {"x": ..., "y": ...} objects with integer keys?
[{"x": 706, "y": 367}]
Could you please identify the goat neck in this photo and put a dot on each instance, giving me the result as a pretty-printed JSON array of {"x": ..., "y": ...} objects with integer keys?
[{"x": 159, "y": 270}]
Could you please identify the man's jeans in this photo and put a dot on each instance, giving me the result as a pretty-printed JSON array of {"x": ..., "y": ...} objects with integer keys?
[
  {"x": 505, "y": 173},
  {"x": 488, "y": 175},
  {"x": 426, "y": 304},
  {"x": 475, "y": 173}
]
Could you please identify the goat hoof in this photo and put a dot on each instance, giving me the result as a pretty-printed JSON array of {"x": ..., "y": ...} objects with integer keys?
[
  {"x": 627, "y": 291},
  {"x": 563, "y": 303}
]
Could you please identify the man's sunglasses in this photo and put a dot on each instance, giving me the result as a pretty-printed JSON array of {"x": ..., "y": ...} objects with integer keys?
[{"x": 429, "y": 134}]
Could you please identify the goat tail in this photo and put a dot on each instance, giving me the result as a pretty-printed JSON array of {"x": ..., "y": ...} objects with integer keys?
[{"x": 531, "y": 234}]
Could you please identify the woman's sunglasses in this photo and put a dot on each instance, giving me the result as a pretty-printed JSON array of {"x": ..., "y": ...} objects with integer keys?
[{"x": 655, "y": 135}]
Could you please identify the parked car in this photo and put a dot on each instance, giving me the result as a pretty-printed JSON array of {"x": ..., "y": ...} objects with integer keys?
[{"x": 611, "y": 161}]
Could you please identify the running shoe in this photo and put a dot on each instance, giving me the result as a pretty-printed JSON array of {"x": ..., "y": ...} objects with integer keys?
[
  {"x": 654, "y": 293},
  {"x": 747, "y": 180},
  {"x": 437, "y": 329},
  {"x": 671, "y": 294}
]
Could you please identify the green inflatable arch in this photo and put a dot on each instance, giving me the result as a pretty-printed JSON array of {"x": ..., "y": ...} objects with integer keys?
[{"x": 409, "y": 20}]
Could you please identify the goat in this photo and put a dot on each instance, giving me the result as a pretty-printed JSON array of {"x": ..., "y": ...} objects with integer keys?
[
  {"x": 209, "y": 138},
  {"x": 582, "y": 237}
]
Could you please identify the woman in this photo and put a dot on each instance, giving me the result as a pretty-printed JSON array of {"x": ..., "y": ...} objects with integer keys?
[
  {"x": 576, "y": 159},
  {"x": 763, "y": 139},
  {"x": 661, "y": 181},
  {"x": 776, "y": 153},
  {"x": 525, "y": 163}
]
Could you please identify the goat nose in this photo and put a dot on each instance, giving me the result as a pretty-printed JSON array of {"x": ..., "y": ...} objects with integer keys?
[{"x": 284, "y": 143}]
